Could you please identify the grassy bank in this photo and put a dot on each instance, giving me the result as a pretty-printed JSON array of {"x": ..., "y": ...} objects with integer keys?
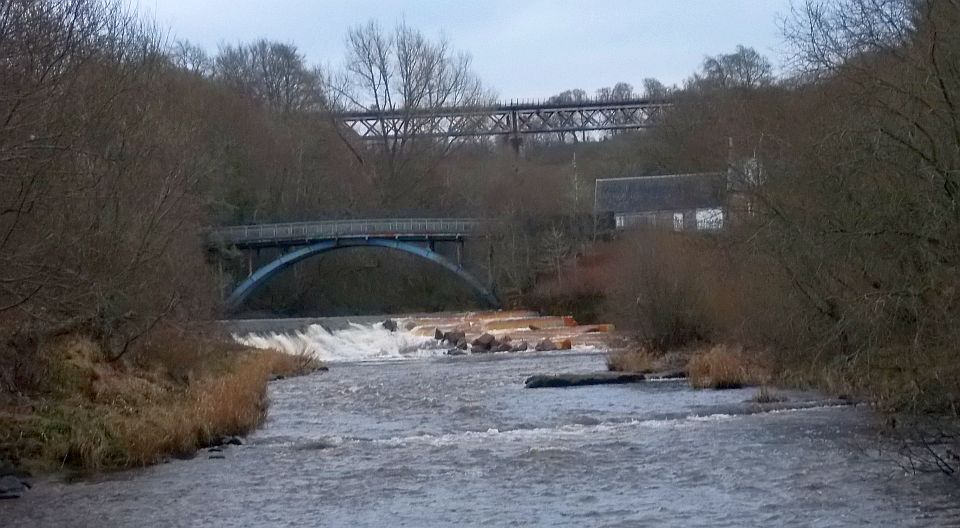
[
  {"x": 88, "y": 413},
  {"x": 706, "y": 366}
]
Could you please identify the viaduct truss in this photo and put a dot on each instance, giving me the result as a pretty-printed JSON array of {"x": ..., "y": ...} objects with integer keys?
[{"x": 513, "y": 120}]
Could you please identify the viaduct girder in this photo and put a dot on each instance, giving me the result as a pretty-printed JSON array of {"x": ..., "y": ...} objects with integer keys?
[{"x": 513, "y": 120}]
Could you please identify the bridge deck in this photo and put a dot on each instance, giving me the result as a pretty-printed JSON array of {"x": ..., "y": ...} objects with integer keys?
[{"x": 293, "y": 233}]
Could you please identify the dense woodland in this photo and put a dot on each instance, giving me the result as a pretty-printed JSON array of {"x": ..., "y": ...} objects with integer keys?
[{"x": 838, "y": 264}]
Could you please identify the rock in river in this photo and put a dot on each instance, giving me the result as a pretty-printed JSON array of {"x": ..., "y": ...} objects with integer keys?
[
  {"x": 545, "y": 346},
  {"x": 390, "y": 325},
  {"x": 485, "y": 341},
  {"x": 11, "y": 487},
  {"x": 576, "y": 380}
]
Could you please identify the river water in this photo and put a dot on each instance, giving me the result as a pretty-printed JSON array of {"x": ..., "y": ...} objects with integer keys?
[{"x": 432, "y": 440}]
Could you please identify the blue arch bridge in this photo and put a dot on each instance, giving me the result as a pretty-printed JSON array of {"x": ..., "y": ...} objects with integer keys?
[{"x": 300, "y": 240}]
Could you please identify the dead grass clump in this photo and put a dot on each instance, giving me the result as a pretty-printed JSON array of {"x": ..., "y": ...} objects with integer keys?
[
  {"x": 632, "y": 360},
  {"x": 725, "y": 367},
  {"x": 283, "y": 365}
]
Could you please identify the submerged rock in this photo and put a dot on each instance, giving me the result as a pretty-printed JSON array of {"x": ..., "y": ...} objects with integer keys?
[
  {"x": 11, "y": 487},
  {"x": 578, "y": 380},
  {"x": 317, "y": 445},
  {"x": 669, "y": 374},
  {"x": 504, "y": 347},
  {"x": 456, "y": 352}
]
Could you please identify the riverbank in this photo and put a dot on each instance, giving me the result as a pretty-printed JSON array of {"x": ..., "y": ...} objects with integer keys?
[
  {"x": 450, "y": 441},
  {"x": 88, "y": 413},
  {"x": 705, "y": 366}
]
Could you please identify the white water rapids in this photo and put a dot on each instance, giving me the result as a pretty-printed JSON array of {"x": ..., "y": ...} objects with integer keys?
[
  {"x": 356, "y": 343},
  {"x": 413, "y": 337}
]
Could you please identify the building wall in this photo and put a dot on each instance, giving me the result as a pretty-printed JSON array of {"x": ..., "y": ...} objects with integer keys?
[{"x": 675, "y": 219}]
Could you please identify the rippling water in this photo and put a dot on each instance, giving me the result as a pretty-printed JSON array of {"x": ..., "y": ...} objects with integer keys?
[{"x": 458, "y": 441}]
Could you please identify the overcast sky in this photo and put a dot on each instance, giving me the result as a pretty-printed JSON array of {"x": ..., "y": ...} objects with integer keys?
[{"x": 523, "y": 49}]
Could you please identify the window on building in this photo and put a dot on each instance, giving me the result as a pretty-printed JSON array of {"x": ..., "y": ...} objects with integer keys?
[
  {"x": 619, "y": 221},
  {"x": 708, "y": 219}
]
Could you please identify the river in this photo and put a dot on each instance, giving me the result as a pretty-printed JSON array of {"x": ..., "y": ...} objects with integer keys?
[{"x": 406, "y": 436}]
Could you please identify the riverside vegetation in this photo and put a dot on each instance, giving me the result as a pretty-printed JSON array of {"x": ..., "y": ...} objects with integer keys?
[{"x": 91, "y": 413}]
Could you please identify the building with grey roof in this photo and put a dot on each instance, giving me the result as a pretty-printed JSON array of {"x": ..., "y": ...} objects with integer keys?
[{"x": 676, "y": 201}]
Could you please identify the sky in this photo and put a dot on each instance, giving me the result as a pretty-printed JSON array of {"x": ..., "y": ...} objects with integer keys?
[{"x": 522, "y": 49}]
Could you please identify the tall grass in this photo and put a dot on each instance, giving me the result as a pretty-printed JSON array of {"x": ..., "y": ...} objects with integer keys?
[
  {"x": 725, "y": 367},
  {"x": 633, "y": 360},
  {"x": 114, "y": 415}
]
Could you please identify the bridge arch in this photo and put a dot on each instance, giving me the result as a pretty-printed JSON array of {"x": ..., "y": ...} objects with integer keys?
[{"x": 260, "y": 277}]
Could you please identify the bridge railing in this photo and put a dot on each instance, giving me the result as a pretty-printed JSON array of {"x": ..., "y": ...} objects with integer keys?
[{"x": 332, "y": 229}]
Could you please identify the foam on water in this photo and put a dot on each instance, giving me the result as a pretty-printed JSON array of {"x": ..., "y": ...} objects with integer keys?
[{"x": 356, "y": 343}]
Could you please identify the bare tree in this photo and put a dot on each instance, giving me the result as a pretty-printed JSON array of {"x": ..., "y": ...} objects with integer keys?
[
  {"x": 744, "y": 68},
  {"x": 190, "y": 57},
  {"x": 273, "y": 73},
  {"x": 405, "y": 73}
]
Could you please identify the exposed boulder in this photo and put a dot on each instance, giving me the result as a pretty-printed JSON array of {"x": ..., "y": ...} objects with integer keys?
[
  {"x": 462, "y": 344},
  {"x": 390, "y": 325},
  {"x": 479, "y": 350},
  {"x": 578, "y": 380},
  {"x": 522, "y": 346},
  {"x": 504, "y": 347},
  {"x": 545, "y": 346},
  {"x": 438, "y": 335},
  {"x": 410, "y": 325},
  {"x": 485, "y": 341},
  {"x": 566, "y": 344}
]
